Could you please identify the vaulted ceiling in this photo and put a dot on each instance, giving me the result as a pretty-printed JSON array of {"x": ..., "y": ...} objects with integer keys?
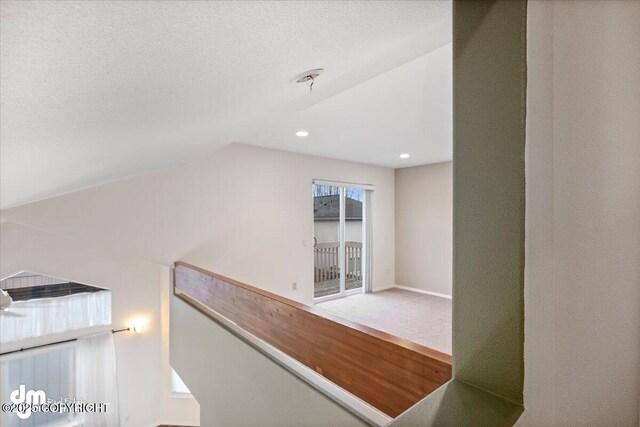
[
  {"x": 405, "y": 110},
  {"x": 93, "y": 92}
]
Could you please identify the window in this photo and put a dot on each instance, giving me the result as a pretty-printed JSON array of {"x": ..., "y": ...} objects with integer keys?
[
  {"x": 52, "y": 371},
  {"x": 177, "y": 385}
]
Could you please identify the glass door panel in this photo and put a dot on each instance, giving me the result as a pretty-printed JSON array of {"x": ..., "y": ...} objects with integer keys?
[
  {"x": 353, "y": 234},
  {"x": 327, "y": 239}
]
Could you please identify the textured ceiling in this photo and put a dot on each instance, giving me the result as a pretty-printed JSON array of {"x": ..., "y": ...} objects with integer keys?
[{"x": 93, "y": 92}]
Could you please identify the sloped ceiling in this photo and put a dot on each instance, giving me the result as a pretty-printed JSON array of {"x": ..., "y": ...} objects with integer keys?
[
  {"x": 93, "y": 92},
  {"x": 405, "y": 110}
]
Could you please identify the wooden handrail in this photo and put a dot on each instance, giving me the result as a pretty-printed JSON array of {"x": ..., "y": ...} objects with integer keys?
[{"x": 388, "y": 372}]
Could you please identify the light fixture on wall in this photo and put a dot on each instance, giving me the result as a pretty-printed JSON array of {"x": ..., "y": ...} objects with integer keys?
[
  {"x": 302, "y": 133},
  {"x": 137, "y": 325},
  {"x": 404, "y": 156}
]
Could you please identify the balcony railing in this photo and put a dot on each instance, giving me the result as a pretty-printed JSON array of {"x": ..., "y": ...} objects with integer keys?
[{"x": 326, "y": 261}]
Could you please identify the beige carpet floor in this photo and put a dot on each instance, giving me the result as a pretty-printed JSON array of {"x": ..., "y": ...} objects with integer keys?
[{"x": 421, "y": 318}]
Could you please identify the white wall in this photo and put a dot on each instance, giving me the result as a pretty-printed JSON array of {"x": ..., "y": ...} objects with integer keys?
[
  {"x": 582, "y": 279},
  {"x": 239, "y": 386},
  {"x": 266, "y": 237},
  {"x": 244, "y": 212},
  {"x": 424, "y": 220},
  {"x": 136, "y": 287}
]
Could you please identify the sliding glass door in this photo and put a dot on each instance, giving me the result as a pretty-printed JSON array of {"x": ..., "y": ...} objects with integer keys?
[
  {"x": 327, "y": 232},
  {"x": 339, "y": 233},
  {"x": 353, "y": 238}
]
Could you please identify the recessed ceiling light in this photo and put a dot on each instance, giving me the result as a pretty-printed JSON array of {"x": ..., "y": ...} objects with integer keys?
[
  {"x": 302, "y": 133},
  {"x": 404, "y": 156}
]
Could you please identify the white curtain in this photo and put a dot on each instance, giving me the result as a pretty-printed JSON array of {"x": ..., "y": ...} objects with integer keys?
[
  {"x": 50, "y": 369},
  {"x": 46, "y": 316},
  {"x": 96, "y": 378}
]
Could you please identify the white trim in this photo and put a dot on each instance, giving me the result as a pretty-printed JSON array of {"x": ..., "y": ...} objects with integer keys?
[
  {"x": 342, "y": 265},
  {"x": 367, "y": 245},
  {"x": 421, "y": 291},
  {"x": 384, "y": 288},
  {"x": 174, "y": 395},
  {"x": 327, "y": 298},
  {"x": 352, "y": 403},
  {"x": 353, "y": 291},
  {"x": 339, "y": 295},
  {"x": 343, "y": 184}
]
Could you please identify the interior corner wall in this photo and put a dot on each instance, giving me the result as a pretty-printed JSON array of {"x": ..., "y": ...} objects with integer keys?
[
  {"x": 424, "y": 221},
  {"x": 582, "y": 277},
  {"x": 143, "y": 375},
  {"x": 489, "y": 52}
]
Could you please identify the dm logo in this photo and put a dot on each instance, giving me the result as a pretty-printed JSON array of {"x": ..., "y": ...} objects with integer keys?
[{"x": 25, "y": 399}]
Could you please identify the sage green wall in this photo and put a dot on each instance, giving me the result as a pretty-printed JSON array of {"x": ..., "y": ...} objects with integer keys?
[
  {"x": 489, "y": 95},
  {"x": 489, "y": 80}
]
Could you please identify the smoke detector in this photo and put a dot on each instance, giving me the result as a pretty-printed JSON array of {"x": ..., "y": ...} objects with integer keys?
[{"x": 308, "y": 77}]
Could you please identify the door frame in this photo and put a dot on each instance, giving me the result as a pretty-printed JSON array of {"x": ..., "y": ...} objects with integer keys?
[{"x": 366, "y": 240}]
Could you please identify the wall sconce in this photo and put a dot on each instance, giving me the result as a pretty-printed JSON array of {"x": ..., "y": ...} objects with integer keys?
[{"x": 138, "y": 326}]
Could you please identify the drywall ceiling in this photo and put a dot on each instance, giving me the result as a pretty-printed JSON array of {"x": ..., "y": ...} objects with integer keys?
[
  {"x": 405, "y": 110},
  {"x": 93, "y": 92}
]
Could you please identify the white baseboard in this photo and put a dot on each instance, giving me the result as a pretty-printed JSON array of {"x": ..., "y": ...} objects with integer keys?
[
  {"x": 173, "y": 423},
  {"x": 422, "y": 291},
  {"x": 384, "y": 288}
]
